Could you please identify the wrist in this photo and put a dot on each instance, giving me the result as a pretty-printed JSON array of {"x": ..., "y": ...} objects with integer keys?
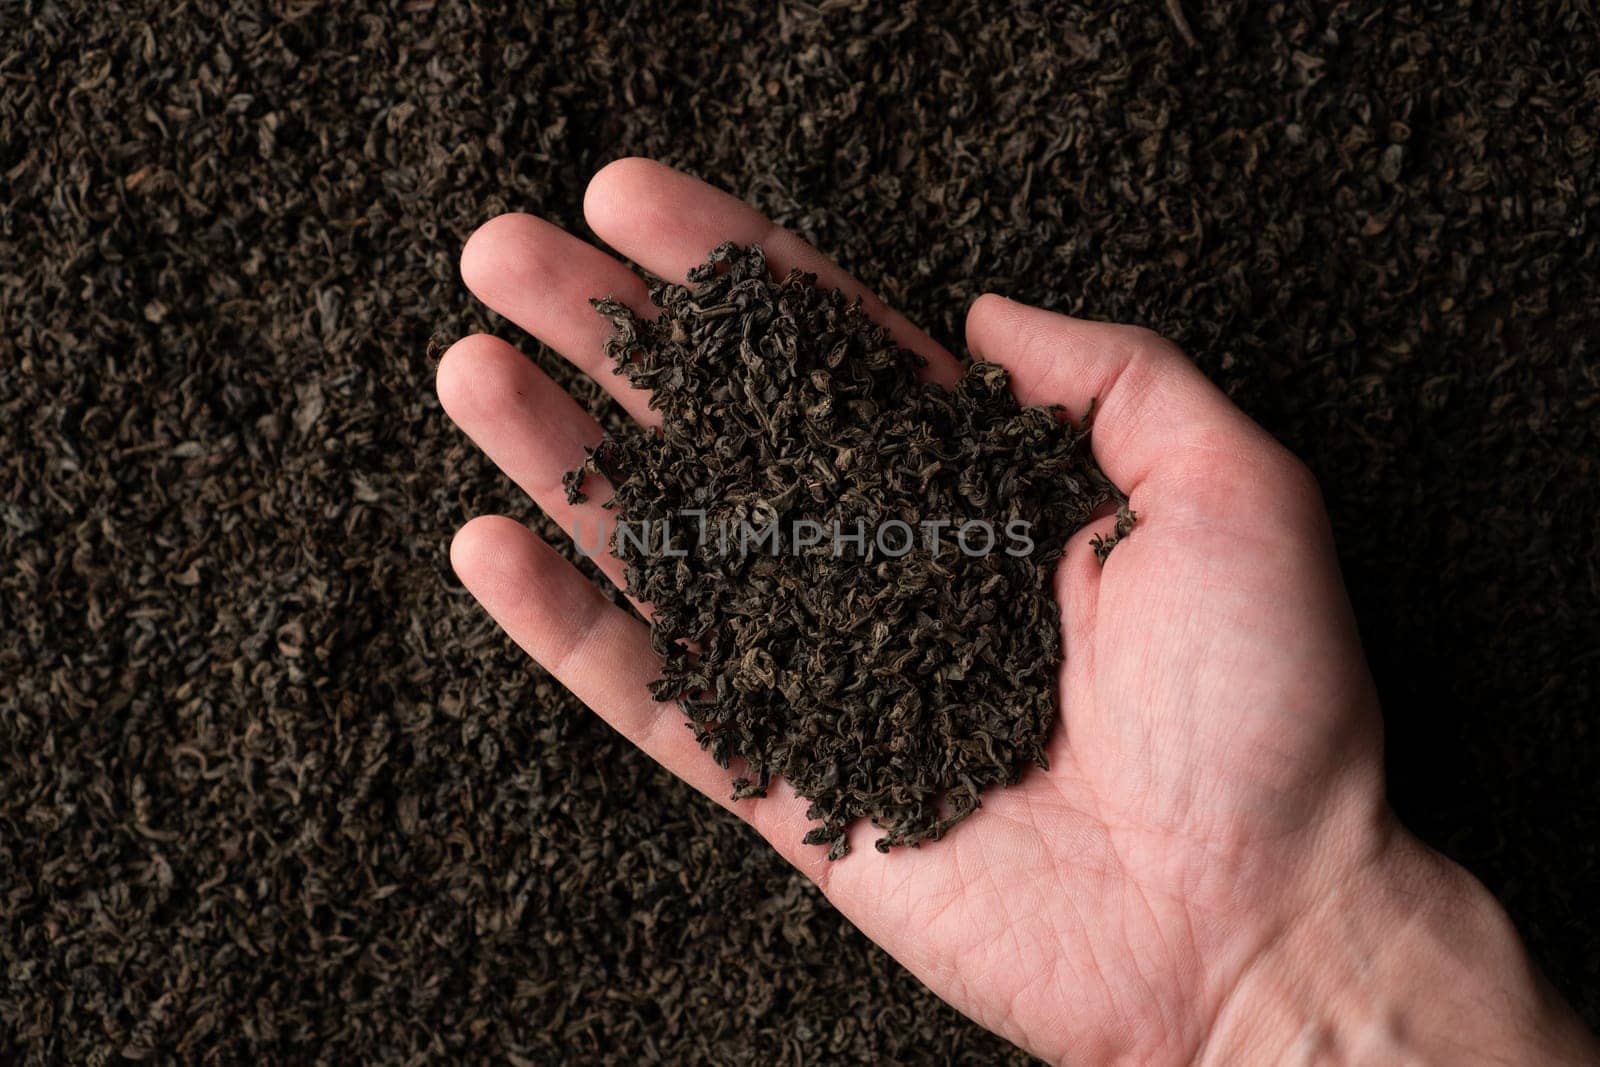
[{"x": 1406, "y": 958}]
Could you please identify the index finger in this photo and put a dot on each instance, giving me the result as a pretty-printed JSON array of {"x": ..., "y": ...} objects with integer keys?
[{"x": 668, "y": 223}]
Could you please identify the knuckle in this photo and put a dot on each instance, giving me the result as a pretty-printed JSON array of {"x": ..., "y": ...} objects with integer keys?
[
  {"x": 1288, "y": 475},
  {"x": 1150, "y": 345}
]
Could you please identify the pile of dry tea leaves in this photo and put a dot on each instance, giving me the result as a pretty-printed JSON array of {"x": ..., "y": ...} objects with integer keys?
[{"x": 859, "y": 559}]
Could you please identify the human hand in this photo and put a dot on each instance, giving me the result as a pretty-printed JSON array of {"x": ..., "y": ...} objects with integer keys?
[{"x": 1213, "y": 817}]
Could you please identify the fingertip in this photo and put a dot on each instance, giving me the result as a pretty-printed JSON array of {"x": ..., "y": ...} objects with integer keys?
[
  {"x": 475, "y": 375},
  {"x": 510, "y": 256},
  {"x": 988, "y": 303},
  {"x": 611, "y": 191},
  {"x": 479, "y": 548},
  {"x": 981, "y": 315},
  {"x": 535, "y": 594},
  {"x": 484, "y": 256}
]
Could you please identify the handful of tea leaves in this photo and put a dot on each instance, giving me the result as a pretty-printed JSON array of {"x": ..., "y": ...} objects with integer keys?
[{"x": 848, "y": 567}]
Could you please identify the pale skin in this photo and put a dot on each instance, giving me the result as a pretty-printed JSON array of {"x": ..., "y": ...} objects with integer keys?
[{"x": 1208, "y": 872}]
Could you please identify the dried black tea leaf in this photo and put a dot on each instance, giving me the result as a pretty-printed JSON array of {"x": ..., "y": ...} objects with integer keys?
[
  {"x": 1373, "y": 226},
  {"x": 848, "y": 566}
]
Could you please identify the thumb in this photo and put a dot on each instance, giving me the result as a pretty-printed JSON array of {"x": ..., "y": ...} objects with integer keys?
[{"x": 1153, "y": 408}]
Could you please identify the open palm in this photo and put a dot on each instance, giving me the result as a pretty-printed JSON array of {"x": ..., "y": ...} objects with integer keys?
[{"x": 1217, "y": 767}]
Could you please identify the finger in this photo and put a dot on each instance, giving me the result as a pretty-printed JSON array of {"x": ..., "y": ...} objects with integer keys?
[
  {"x": 542, "y": 278},
  {"x": 668, "y": 223},
  {"x": 1152, "y": 406},
  {"x": 1077, "y": 589},
  {"x": 532, "y": 430},
  {"x": 603, "y": 655}
]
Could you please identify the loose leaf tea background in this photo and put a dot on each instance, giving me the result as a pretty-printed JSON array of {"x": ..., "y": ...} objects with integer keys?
[{"x": 273, "y": 788}]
